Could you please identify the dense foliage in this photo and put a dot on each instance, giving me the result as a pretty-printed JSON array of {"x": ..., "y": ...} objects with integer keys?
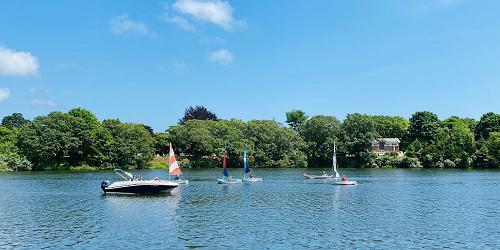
[
  {"x": 77, "y": 138},
  {"x": 197, "y": 113}
]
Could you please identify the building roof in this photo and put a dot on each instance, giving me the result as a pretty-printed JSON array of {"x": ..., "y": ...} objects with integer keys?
[{"x": 386, "y": 140}]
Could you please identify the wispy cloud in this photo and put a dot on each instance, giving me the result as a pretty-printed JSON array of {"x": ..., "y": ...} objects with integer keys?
[
  {"x": 216, "y": 12},
  {"x": 222, "y": 56},
  {"x": 176, "y": 67},
  {"x": 4, "y": 94},
  {"x": 179, "y": 21},
  {"x": 17, "y": 63},
  {"x": 125, "y": 25},
  {"x": 43, "y": 103},
  {"x": 38, "y": 90}
]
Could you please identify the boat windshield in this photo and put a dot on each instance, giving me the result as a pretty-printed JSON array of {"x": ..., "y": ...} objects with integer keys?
[{"x": 125, "y": 175}]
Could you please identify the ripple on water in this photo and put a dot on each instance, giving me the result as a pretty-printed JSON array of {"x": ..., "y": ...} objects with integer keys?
[{"x": 388, "y": 209}]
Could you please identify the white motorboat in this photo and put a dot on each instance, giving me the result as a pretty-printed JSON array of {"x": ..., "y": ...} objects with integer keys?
[{"x": 136, "y": 184}]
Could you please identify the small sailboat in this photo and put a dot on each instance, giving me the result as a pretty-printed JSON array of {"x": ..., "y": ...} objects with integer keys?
[
  {"x": 226, "y": 179},
  {"x": 248, "y": 170},
  {"x": 335, "y": 176},
  {"x": 174, "y": 171}
]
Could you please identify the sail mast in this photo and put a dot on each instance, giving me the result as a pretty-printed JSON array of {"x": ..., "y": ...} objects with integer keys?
[
  {"x": 245, "y": 162},
  {"x": 334, "y": 161},
  {"x": 224, "y": 172}
]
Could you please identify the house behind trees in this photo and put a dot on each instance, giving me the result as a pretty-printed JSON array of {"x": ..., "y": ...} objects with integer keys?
[{"x": 385, "y": 145}]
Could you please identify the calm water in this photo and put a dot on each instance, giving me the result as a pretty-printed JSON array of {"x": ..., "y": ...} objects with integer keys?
[{"x": 388, "y": 209}]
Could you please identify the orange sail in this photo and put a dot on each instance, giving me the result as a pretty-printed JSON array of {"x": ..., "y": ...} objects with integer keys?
[{"x": 173, "y": 167}]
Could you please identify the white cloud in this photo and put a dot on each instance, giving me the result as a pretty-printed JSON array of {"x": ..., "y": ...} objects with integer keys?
[
  {"x": 43, "y": 103},
  {"x": 221, "y": 56},
  {"x": 4, "y": 94},
  {"x": 212, "y": 11},
  {"x": 124, "y": 25},
  {"x": 17, "y": 63},
  {"x": 181, "y": 22}
]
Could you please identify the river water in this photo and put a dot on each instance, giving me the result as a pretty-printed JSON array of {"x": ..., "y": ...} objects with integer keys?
[{"x": 391, "y": 208}]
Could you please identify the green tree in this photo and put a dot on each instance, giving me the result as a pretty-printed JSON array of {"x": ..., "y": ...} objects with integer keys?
[
  {"x": 48, "y": 140},
  {"x": 162, "y": 141},
  {"x": 489, "y": 122},
  {"x": 197, "y": 113},
  {"x": 16, "y": 120},
  {"x": 127, "y": 145},
  {"x": 320, "y": 133},
  {"x": 488, "y": 153},
  {"x": 83, "y": 129},
  {"x": 423, "y": 126},
  {"x": 274, "y": 145},
  {"x": 391, "y": 126},
  {"x": 357, "y": 132},
  {"x": 10, "y": 158},
  {"x": 296, "y": 119}
]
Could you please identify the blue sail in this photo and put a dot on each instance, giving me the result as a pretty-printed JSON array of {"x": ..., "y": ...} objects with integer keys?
[
  {"x": 246, "y": 167},
  {"x": 225, "y": 173}
]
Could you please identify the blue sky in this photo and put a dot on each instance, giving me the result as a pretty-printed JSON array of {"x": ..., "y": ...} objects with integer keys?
[{"x": 146, "y": 61}]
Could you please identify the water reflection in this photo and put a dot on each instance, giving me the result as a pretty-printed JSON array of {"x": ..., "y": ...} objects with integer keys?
[{"x": 388, "y": 209}]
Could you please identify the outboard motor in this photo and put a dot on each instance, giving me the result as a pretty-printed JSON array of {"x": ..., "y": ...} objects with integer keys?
[{"x": 104, "y": 185}]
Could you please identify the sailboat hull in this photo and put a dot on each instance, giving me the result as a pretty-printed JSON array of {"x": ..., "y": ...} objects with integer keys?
[
  {"x": 345, "y": 183},
  {"x": 321, "y": 177},
  {"x": 252, "y": 179},
  {"x": 233, "y": 181}
]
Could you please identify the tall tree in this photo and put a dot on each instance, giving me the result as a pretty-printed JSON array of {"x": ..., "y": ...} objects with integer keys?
[
  {"x": 357, "y": 132},
  {"x": 16, "y": 120},
  {"x": 320, "y": 133},
  {"x": 489, "y": 122},
  {"x": 423, "y": 126},
  {"x": 296, "y": 118},
  {"x": 197, "y": 113},
  {"x": 391, "y": 126}
]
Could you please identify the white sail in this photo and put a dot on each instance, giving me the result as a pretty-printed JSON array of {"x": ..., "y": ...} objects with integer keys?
[{"x": 334, "y": 162}]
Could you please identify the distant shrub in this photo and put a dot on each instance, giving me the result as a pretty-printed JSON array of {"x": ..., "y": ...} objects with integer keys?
[
  {"x": 410, "y": 162},
  {"x": 449, "y": 163}
]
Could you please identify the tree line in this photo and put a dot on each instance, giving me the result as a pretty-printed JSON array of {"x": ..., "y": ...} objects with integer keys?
[{"x": 77, "y": 138}]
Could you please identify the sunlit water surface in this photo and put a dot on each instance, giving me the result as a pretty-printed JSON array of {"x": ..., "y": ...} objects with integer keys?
[{"x": 388, "y": 209}]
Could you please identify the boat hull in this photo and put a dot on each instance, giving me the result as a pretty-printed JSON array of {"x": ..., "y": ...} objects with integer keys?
[
  {"x": 344, "y": 183},
  {"x": 139, "y": 187},
  {"x": 321, "y": 177},
  {"x": 233, "y": 181},
  {"x": 252, "y": 180},
  {"x": 180, "y": 181}
]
